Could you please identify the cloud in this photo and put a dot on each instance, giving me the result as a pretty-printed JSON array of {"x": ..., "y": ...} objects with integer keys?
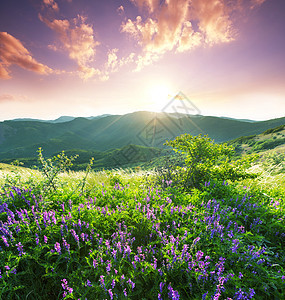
[
  {"x": 12, "y": 52},
  {"x": 7, "y": 98},
  {"x": 51, "y": 4},
  {"x": 77, "y": 38},
  {"x": 213, "y": 20},
  {"x": 182, "y": 25},
  {"x": 255, "y": 3},
  {"x": 13, "y": 98},
  {"x": 189, "y": 39},
  {"x": 150, "y": 5},
  {"x": 4, "y": 73}
]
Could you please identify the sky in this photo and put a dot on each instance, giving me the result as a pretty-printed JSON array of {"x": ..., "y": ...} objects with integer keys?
[{"x": 92, "y": 57}]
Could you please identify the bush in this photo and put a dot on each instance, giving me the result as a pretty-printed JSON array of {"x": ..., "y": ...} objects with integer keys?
[{"x": 199, "y": 160}]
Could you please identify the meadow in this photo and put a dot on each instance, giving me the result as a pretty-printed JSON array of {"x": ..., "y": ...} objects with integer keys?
[{"x": 140, "y": 235}]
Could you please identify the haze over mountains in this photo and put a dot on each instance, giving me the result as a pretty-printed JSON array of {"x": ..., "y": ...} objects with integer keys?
[{"x": 22, "y": 138}]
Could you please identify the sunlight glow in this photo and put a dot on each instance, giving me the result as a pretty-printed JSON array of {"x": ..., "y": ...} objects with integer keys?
[{"x": 159, "y": 95}]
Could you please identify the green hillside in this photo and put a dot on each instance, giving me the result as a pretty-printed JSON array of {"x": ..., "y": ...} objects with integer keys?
[
  {"x": 21, "y": 139},
  {"x": 270, "y": 139},
  {"x": 127, "y": 156}
]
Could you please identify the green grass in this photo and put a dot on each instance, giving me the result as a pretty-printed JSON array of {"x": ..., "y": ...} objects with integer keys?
[{"x": 114, "y": 235}]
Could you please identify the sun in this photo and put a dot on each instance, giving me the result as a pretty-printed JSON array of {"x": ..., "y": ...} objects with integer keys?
[{"x": 159, "y": 95}]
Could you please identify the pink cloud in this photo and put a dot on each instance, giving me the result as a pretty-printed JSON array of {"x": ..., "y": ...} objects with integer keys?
[
  {"x": 7, "y": 98},
  {"x": 51, "y": 4},
  {"x": 255, "y": 3},
  {"x": 214, "y": 20},
  {"x": 189, "y": 39},
  {"x": 12, "y": 52},
  {"x": 169, "y": 25},
  {"x": 150, "y": 5},
  {"x": 77, "y": 38}
]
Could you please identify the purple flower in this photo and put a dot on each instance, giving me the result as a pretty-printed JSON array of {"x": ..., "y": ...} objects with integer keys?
[
  {"x": 88, "y": 283},
  {"x": 113, "y": 283},
  {"x": 45, "y": 239},
  {"x": 5, "y": 241},
  {"x": 174, "y": 295},
  {"x": 125, "y": 293},
  {"x": 66, "y": 288},
  {"x": 102, "y": 282},
  {"x": 196, "y": 240},
  {"x": 111, "y": 294},
  {"x": 251, "y": 293},
  {"x": 57, "y": 247},
  {"x": 20, "y": 249}
]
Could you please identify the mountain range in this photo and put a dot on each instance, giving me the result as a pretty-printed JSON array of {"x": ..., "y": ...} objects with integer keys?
[{"x": 22, "y": 138}]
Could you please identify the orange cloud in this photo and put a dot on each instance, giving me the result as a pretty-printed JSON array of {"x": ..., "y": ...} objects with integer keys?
[
  {"x": 214, "y": 20},
  {"x": 51, "y": 4},
  {"x": 12, "y": 52},
  {"x": 169, "y": 25},
  {"x": 189, "y": 39},
  {"x": 7, "y": 98},
  {"x": 77, "y": 38},
  {"x": 4, "y": 74},
  {"x": 150, "y": 5}
]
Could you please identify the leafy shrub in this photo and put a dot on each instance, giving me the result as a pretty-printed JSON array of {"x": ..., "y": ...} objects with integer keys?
[{"x": 199, "y": 160}]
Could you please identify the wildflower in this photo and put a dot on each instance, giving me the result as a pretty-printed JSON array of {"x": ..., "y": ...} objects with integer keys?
[
  {"x": 113, "y": 283},
  {"x": 251, "y": 293},
  {"x": 196, "y": 240},
  {"x": 5, "y": 241},
  {"x": 111, "y": 294},
  {"x": 45, "y": 239},
  {"x": 161, "y": 285},
  {"x": 125, "y": 293},
  {"x": 57, "y": 247},
  {"x": 20, "y": 249},
  {"x": 108, "y": 268},
  {"x": 131, "y": 283},
  {"x": 37, "y": 240},
  {"x": 102, "y": 280},
  {"x": 66, "y": 288}
]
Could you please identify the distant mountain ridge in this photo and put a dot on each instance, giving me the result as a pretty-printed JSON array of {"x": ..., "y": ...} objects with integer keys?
[
  {"x": 61, "y": 119},
  {"x": 20, "y": 139}
]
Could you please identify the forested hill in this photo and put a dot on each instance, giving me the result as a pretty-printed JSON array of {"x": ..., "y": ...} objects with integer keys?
[{"x": 22, "y": 138}]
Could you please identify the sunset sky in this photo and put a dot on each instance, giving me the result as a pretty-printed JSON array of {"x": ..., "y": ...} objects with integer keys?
[{"x": 91, "y": 57}]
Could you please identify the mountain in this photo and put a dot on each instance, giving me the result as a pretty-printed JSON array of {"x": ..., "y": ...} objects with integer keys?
[
  {"x": 61, "y": 119},
  {"x": 21, "y": 139}
]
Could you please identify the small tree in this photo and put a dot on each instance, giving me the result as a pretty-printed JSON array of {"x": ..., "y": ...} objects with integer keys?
[
  {"x": 201, "y": 156},
  {"x": 205, "y": 160}
]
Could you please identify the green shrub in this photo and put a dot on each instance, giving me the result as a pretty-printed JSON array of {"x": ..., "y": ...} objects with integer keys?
[{"x": 201, "y": 160}]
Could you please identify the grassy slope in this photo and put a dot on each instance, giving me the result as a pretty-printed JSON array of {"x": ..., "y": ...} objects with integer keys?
[{"x": 273, "y": 138}]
